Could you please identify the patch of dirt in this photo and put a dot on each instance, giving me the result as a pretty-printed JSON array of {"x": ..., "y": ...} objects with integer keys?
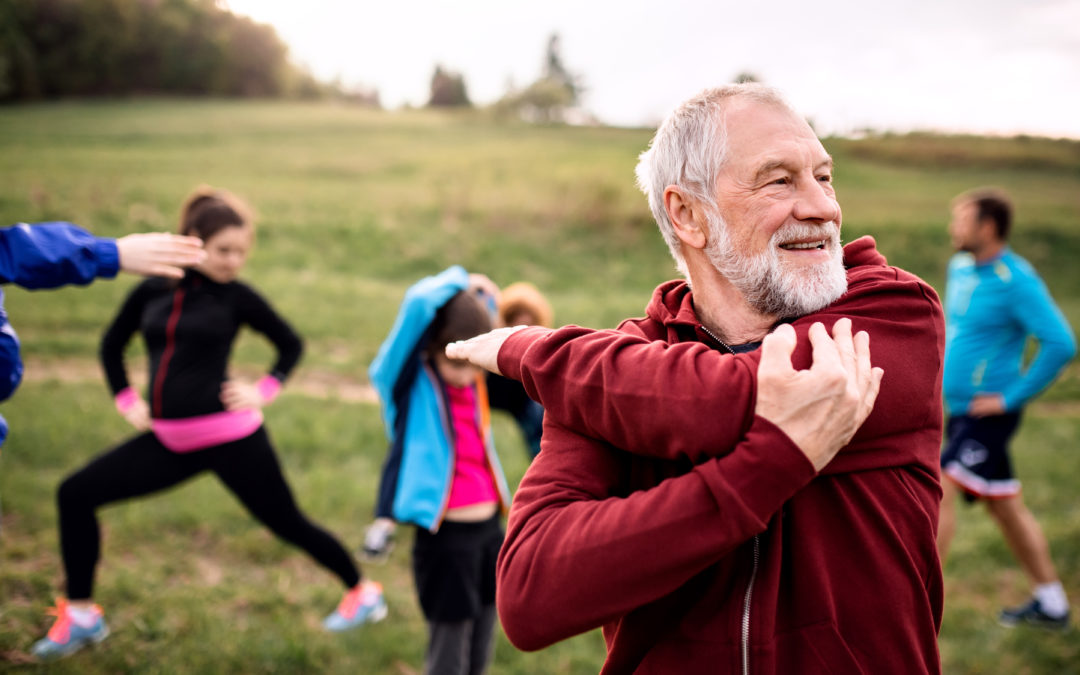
[{"x": 319, "y": 384}]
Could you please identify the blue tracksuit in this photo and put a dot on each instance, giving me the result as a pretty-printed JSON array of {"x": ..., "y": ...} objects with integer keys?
[
  {"x": 45, "y": 255},
  {"x": 991, "y": 309}
]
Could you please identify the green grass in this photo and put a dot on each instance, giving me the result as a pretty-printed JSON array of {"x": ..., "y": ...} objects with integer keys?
[{"x": 354, "y": 206}]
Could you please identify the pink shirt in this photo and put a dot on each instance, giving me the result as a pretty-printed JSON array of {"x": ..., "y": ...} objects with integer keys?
[{"x": 473, "y": 482}]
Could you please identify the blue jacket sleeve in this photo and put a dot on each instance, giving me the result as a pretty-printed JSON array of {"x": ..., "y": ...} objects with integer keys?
[
  {"x": 1040, "y": 316},
  {"x": 414, "y": 316},
  {"x": 11, "y": 367},
  {"x": 47, "y": 255}
]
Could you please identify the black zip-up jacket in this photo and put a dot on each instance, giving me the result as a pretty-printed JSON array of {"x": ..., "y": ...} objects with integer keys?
[{"x": 189, "y": 329}]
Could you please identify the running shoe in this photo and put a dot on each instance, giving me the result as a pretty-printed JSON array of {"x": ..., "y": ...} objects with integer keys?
[
  {"x": 1032, "y": 613},
  {"x": 378, "y": 542},
  {"x": 362, "y": 604},
  {"x": 67, "y": 636}
]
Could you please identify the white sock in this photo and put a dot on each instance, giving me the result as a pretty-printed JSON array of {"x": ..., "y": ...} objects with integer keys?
[
  {"x": 1052, "y": 598},
  {"x": 83, "y": 617}
]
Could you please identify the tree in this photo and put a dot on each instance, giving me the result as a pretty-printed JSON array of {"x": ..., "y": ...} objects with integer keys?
[
  {"x": 550, "y": 97},
  {"x": 51, "y": 48},
  {"x": 746, "y": 76},
  {"x": 556, "y": 72},
  {"x": 447, "y": 89}
]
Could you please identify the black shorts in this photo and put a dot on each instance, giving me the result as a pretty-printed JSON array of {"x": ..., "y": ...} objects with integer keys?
[
  {"x": 976, "y": 455},
  {"x": 454, "y": 569}
]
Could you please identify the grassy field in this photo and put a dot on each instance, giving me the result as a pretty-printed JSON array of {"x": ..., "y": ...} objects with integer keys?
[{"x": 355, "y": 205}]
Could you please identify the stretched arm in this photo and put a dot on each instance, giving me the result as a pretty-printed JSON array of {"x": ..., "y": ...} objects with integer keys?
[
  {"x": 707, "y": 397},
  {"x": 47, "y": 255},
  {"x": 569, "y": 524},
  {"x": 569, "y": 529}
]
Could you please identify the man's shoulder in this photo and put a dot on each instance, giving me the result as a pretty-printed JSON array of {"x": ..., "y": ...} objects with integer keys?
[{"x": 1019, "y": 265}]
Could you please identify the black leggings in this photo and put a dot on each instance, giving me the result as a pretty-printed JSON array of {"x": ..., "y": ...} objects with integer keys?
[{"x": 248, "y": 467}]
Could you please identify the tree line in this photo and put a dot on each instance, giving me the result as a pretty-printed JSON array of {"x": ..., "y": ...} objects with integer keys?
[
  {"x": 78, "y": 48},
  {"x": 55, "y": 48}
]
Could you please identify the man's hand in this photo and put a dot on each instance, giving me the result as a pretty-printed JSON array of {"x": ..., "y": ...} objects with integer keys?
[
  {"x": 820, "y": 409},
  {"x": 159, "y": 254},
  {"x": 237, "y": 395},
  {"x": 985, "y": 405},
  {"x": 138, "y": 414},
  {"x": 482, "y": 350}
]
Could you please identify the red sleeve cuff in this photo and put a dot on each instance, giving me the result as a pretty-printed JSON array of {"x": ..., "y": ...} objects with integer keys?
[{"x": 513, "y": 350}]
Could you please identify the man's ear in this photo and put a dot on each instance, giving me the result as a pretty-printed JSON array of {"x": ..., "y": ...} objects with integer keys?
[
  {"x": 987, "y": 228},
  {"x": 687, "y": 215}
]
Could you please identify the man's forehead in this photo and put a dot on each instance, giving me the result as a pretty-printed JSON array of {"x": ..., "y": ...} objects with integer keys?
[{"x": 765, "y": 134}]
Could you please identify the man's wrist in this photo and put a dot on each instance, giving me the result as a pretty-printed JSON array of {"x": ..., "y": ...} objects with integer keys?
[{"x": 514, "y": 347}]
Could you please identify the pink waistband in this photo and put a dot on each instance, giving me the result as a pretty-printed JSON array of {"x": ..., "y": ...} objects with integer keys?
[{"x": 196, "y": 433}]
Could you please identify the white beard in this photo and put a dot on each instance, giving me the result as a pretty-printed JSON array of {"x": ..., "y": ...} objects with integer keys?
[{"x": 767, "y": 283}]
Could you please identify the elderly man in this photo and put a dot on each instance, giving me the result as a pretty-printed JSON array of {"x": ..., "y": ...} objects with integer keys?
[{"x": 682, "y": 499}]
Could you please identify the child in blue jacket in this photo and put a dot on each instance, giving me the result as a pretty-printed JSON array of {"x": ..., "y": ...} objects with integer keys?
[{"x": 442, "y": 473}]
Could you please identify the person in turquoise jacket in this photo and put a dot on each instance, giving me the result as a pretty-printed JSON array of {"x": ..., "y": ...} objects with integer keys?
[
  {"x": 994, "y": 303},
  {"x": 441, "y": 472}
]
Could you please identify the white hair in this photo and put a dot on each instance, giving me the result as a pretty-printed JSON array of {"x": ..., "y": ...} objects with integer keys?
[{"x": 689, "y": 150}]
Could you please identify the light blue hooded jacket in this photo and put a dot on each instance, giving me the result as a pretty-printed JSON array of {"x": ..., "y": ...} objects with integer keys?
[{"x": 419, "y": 468}]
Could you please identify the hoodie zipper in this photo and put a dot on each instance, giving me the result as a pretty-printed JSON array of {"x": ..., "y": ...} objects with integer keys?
[
  {"x": 748, "y": 596},
  {"x": 746, "y": 608}
]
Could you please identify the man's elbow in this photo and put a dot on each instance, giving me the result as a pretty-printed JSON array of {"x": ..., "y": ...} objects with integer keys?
[{"x": 524, "y": 620}]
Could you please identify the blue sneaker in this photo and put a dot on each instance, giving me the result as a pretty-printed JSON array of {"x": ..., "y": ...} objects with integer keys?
[
  {"x": 66, "y": 636},
  {"x": 362, "y": 604},
  {"x": 1032, "y": 613}
]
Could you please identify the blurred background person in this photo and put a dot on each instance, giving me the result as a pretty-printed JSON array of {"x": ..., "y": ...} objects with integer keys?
[
  {"x": 441, "y": 473},
  {"x": 994, "y": 302},
  {"x": 521, "y": 304},
  {"x": 194, "y": 419}
]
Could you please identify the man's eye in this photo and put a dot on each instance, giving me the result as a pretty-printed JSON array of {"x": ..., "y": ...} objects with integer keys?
[
  {"x": 780, "y": 181},
  {"x": 826, "y": 178}
]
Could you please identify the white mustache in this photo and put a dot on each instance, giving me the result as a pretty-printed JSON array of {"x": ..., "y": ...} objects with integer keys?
[{"x": 801, "y": 232}]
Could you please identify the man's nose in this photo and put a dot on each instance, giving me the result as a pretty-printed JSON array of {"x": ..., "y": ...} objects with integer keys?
[{"x": 816, "y": 202}]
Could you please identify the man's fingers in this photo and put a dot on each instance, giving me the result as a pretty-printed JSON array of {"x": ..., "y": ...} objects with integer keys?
[
  {"x": 825, "y": 353},
  {"x": 482, "y": 350},
  {"x": 845, "y": 343},
  {"x": 862, "y": 354},
  {"x": 776, "y": 350}
]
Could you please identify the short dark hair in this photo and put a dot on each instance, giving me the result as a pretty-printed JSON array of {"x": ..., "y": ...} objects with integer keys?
[
  {"x": 208, "y": 211},
  {"x": 462, "y": 317},
  {"x": 992, "y": 203}
]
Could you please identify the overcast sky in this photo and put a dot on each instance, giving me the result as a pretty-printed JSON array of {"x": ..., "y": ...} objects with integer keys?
[{"x": 981, "y": 66}]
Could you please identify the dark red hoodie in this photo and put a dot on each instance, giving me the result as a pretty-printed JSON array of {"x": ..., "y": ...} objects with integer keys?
[{"x": 696, "y": 533}]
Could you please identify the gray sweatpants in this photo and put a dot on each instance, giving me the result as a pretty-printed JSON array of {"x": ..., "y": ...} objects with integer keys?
[{"x": 461, "y": 647}]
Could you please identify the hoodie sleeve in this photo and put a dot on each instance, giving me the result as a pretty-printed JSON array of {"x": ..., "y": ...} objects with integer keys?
[
  {"x": 688, "y": 401},
  {"x": 47, "y": 255},
  {"x": 569, "y": 529}
]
